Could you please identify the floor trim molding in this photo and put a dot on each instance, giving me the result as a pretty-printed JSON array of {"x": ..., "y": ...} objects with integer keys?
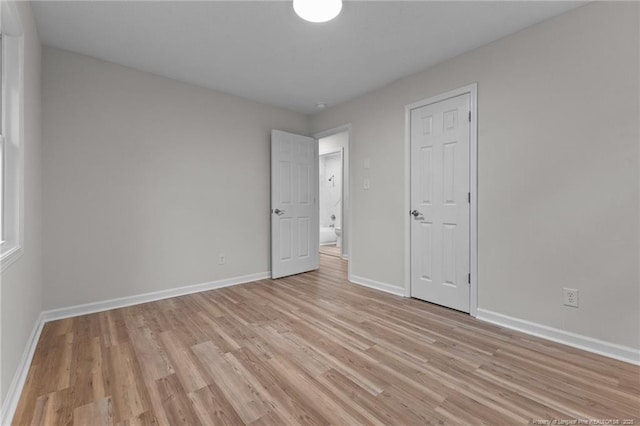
[
  {"x": 12, "y": 397},
  {"x": 612, "y": 350},
  {"x": 376, "y": 285},
  {"x": 14, "y": 392},
  {"x": 121, "y": 302},
  {"x": 600, "y": 347}
]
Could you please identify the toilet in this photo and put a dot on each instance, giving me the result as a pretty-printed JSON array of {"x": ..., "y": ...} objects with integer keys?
[{"x": 338, "y": 232}]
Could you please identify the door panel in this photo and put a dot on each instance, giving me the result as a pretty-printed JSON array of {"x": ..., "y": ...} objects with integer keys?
[
  {"x": 294, "y": 209},
  {"x": 440, "y": 224}
]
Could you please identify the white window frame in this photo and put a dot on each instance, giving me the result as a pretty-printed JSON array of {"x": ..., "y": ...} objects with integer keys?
[{"x": 12, "y": 130}]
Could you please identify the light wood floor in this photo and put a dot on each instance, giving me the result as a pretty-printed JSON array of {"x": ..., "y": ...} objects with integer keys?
[
  {"x": 311, "y": 349},
  {"x": 331, "y": 250}
]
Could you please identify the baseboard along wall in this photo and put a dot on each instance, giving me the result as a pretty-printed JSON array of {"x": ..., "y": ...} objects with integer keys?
[
  {"x": 377, "y": 285},
  {"x": 589, "y": 344},
  {"x": 10, "y": 403}
]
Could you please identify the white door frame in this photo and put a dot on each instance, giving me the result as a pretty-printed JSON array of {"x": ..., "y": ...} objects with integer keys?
[
  {"x": 472, "y": 90},
  {"x": 346, "y": 188}
]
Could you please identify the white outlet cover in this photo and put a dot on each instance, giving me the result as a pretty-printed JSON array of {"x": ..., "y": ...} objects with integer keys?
[
  {"x": 366, "y": 184},
  {"x": 570, "y": 297}
]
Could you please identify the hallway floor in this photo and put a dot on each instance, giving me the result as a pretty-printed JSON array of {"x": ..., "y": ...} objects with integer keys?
[{"x": 331, "y": 250}]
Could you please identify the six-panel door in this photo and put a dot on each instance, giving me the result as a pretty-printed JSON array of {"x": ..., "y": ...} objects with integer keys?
[
  {"x": 294, "y": 210},
  {"x": 440, "y": 209}
]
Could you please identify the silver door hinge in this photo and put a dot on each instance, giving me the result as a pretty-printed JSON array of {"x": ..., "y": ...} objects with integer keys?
[
  {"x": 468, "y": 278},
  {"x": 469, "y": 198},
  {"x": 469, "y": 116}
]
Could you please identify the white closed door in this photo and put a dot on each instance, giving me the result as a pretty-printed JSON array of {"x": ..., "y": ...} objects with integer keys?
[
  {"x": 294, "y": 206},
  {"x": 440, "y": 207}
]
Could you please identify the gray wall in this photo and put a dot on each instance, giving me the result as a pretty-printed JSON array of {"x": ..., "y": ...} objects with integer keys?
[
  {"x": 557, "y": 170},
  {"x": 148, "y": 179},
  {"x": 21, "y": 282}
]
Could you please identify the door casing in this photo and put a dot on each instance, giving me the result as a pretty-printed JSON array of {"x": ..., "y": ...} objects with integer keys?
[{"x": 472, "y": 90}]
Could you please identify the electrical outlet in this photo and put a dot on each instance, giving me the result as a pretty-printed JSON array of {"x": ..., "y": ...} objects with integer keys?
[
  {"x": 366, "y": 184},
  {"x": 221, "y": 259},
  {"x": 570, "y": 297}
]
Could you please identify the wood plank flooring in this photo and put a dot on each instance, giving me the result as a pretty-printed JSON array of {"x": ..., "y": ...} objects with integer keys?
[
  {"x": 311, "y": 349},
  {"x": 331, "y": 250}
]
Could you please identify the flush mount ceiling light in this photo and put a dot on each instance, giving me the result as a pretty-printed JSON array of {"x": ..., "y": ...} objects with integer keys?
[{"x": 317, "y": 10}]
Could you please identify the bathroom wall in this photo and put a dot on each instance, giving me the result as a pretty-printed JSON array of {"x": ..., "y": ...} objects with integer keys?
[
  {"x": 331, "y": 191},
  {"x": 333, "y": 143},
  {"x": 336, "y": 142}
]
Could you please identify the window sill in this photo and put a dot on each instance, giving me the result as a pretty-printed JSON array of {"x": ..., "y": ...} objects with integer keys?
[{"x": 10, "y": 256}]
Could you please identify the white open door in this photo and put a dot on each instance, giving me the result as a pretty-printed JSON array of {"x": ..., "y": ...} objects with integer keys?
[
  {"x": 440, "y": 208},
  {"x": 294, "y": 204}
]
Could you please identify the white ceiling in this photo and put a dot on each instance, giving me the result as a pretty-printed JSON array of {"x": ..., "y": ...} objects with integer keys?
[{"x": 263, "y": 51}]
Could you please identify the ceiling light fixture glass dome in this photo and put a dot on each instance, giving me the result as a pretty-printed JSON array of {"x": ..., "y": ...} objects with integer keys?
[{"x": 317, "y": 10}]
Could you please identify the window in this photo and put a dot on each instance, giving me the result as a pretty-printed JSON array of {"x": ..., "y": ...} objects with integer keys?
[
  {"x": 11, "y": 143},
  {"x": 1, "y": 145}
]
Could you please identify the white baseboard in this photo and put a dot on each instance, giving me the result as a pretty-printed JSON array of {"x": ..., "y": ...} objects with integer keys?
[
  {"x": 121, "y": 302},
  {"x": 601, "y": 347},
  {"x": 12, "y": 397},
  {"x": 612, "y": 350},
  {"x": 376, "y": 285}
]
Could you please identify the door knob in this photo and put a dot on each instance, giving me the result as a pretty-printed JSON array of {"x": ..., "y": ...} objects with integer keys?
[
  {"x": 278, "y": 211},
  {"x": 415, "y": 213}
]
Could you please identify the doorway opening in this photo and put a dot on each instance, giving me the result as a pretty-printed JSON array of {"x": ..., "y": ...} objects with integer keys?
[
  {"x": 295, "y": 207},
  {"x": 333, "y": 192}
]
